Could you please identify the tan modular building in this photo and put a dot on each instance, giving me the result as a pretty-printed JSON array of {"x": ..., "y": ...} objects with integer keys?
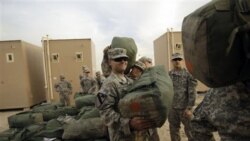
[
  {"x": 21, "y": 75},
  {"x": 66, "y": 57},
  {"x": 167, "y": 44}
]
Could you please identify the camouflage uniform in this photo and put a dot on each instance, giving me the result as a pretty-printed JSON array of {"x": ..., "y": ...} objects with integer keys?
[
  {"x": 112, "y": 90},
  {"x": 152, "y": 133},
  {"x": 184, "y": 98},
  {"x": 64, "y": 88},
  {"x": 141, "y": 66},
  {"x": 87, "y": 83},
  {"x": 99, "y": 80},
  {"x": 226, "y": 110}
]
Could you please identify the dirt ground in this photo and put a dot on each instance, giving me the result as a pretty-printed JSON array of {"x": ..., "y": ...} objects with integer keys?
[{"x": 163, "y": 131}]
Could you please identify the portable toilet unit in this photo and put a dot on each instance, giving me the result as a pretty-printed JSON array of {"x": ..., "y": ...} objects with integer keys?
[
  {"x": 67, "y": 57},
  {"x": 21, "y": 75}
]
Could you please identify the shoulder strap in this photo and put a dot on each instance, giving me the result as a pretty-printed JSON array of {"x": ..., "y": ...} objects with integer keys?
[
  {"x": 243, "y": 9},
  {"x": 244, "y": 74}
]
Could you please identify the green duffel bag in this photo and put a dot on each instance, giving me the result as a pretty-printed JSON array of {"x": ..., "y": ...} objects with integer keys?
[
  {"x": 216, "y": 40},
  {"x": 27, "y": 133},
  {"x": 78, "y": 94},
  {"x": 150, "y": 97},
  {"x": 93, "y": 113},
  {"x": 86, "y": 100},
  {"x": 60, "y": 111},
  {"x": 24, "y": 119},
  {"x": 9, "y": 134},
  {"x": 53, "y": 129},
  {"x": 120, "y": 42},
  {"x": 84, "y": 110},
  {"x": 91, "y": 128},
  {"x": 44, "y": 107}
]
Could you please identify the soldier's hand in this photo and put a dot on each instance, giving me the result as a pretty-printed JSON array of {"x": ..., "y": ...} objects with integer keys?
[
  {"x": 139, "y": 123},
  {"x": 188, "y": 113}
]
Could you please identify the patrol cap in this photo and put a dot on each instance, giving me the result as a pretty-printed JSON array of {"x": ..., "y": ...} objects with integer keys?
[
  {"x": 86, "y": 70},
  {"x": 84, "y": 67},
  {"x": 145, "y": 59},
  {"x": 140, "y": 65},
  {"x": 176, "y": 56},
  {"x": 114, "y": 53},
  {"x": 98, "y": 72}
]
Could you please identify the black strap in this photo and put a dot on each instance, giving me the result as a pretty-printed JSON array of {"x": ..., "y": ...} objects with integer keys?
[
  {"x": 243, "y": 6},
  {"x": 246, "y": 49}
]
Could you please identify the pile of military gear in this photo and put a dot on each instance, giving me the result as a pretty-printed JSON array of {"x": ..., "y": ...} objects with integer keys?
[
  {"x": 149, "y": 97},
  {"x": 120, "y": 42},
  {"x": 216, "y": 41},
  {"x": 50, "y": 122}
]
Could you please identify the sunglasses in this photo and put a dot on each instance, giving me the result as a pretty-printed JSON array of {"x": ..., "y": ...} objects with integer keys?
[
  {"x": 177, "y": 59},
  {"x": 120, "y": 59}
]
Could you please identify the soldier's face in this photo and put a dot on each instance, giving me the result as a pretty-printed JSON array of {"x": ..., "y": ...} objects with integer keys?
[
  {"x": 87, "y": 73},
  {"x": 177, "y": 63},
  {"x": 119, "y": 65},
  {"x": 98, "y": 75},
  {"x": 135, "y": 72}
]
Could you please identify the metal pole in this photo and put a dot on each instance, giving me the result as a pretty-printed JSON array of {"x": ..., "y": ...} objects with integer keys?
[
  {"x": 49, "y": 68},
  {"x": 168, "y": 49},
  {"x": 45, "y": 72}
]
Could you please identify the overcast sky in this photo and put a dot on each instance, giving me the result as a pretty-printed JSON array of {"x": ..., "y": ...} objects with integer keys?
[{"x": 100, "y": 20}]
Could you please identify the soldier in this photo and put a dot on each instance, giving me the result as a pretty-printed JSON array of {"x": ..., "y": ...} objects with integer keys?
[
  {"x": 64, "y": 89},
  {"x": 147, "y": 61},
  {"x": 99, "y": 80},
  {"x": 183, "y": 100},
  {"x": 120, "y": 128},
  {"x": 87, "y": 83},
  {"x": 226, "y": 110},
  {"x": 136, "y": 70}
]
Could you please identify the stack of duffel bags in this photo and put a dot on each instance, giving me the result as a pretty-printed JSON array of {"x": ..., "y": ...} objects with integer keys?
[
  {"x": 87, "y": 125},
  {"x": 52, "y": 122}
]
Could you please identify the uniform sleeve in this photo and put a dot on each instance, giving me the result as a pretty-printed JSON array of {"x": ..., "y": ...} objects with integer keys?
[
  {"x": 201, "y": 128},
  {"x": 70, "y": 86},
  {"x": 107, "y": 103},
  {"x": 56, "y": 86},
  {"x": 81, "y": 83},
  {"x": 192, "y": 83},
  {"x": 93, "y": 86}
]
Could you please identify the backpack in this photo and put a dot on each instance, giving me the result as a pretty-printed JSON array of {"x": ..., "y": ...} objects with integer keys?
[
  {"x": 216, "y": 42},
  {"x": 120, "y": 42}
]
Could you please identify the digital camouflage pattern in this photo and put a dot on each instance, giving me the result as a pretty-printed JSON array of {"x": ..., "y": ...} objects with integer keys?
[
  {"x": 184, "y": 98},
  {"x": 88, "y": 85},
  {"x": 226, "y": 110},
  {"x": 108, "y": 97},
  {"x": 113, "y": 89},
  {"x": 140, "y": 65},
  {"x": 176, "y": 55},
  {"x": 184, "y": 89},
  {"x": 145, "y": 59},
  {"x": 64, "y": 89},
  {"x": 99, "y": 80},
  {"x": 114, "y": 53}
]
